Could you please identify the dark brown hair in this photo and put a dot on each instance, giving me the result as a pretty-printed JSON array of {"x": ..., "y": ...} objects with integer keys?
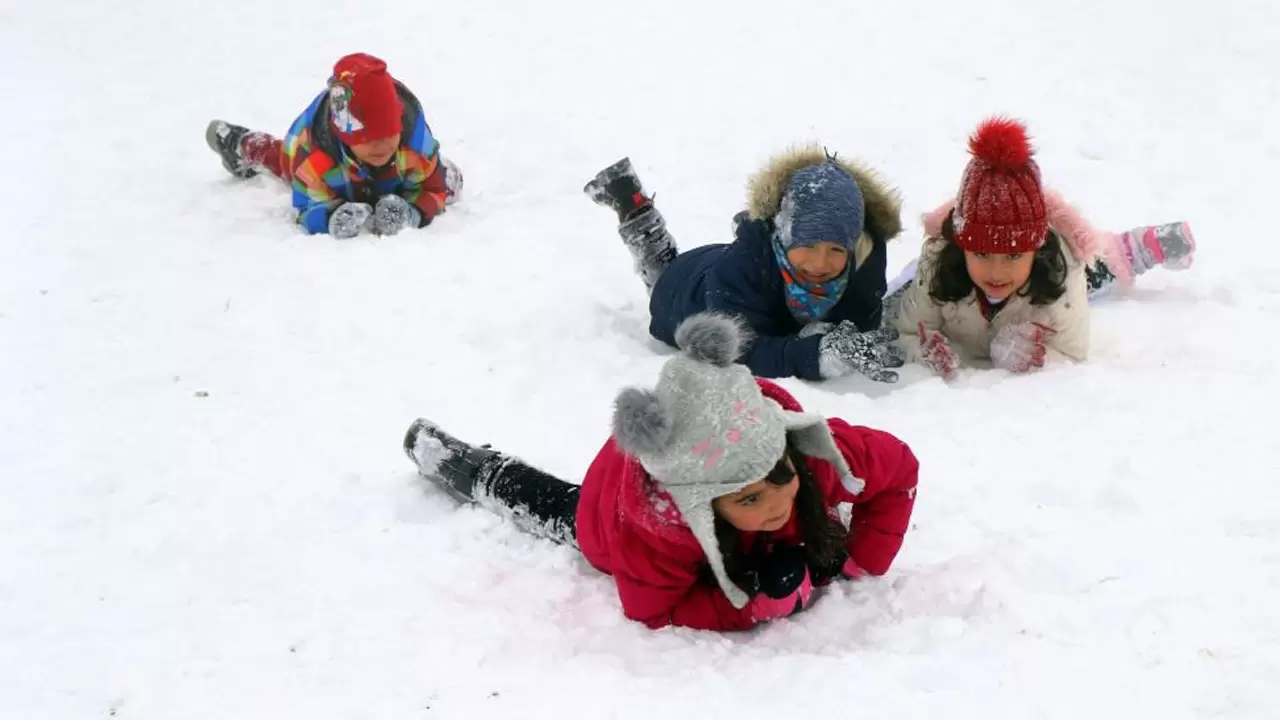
[
  {"x": 824, "y": 536},
  {"x": 951, "y": 281}
]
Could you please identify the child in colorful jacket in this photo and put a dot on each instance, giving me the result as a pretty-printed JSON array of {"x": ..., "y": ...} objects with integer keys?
[
  {"x": 806, "y": 269},
  {"x": 1008, "y": 268},
  {"x": 361, "y": 156},
  {"x": 713, "y": 503}
]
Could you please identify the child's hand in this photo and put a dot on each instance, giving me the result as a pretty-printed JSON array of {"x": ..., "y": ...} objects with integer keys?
[
  {"x": 847, "y": 349},
  {"x": 785, "y": 584},
  {"x": 842, "y": 567},
  {"x": 851, "y": 570},
  {"x": 936, "y": 353},
  {"x": 394, "y": 214},
  {"x": 1020, "y": 347},
  {"x": 348, "y": 218}
]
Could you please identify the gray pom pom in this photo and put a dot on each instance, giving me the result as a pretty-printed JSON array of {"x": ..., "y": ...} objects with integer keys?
[
  {"x": 712, "y": 338},
  {"x": 641, "y": 424}
]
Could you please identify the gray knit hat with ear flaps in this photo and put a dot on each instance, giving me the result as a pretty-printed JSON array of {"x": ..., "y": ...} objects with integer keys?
[{"x": 706, "y": 430}]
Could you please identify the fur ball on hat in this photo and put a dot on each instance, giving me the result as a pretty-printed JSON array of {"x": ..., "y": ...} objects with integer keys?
[
  {"x": 642, "y": 422},
  {"x": 1000, "y": 207},
  {"x": 1002, "y": 143},
  {"x": 712, "y": 338}
]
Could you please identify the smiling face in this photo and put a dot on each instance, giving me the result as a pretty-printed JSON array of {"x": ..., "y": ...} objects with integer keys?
[
  {"x": 999, "y": 275},
  {"x": 818, "y": 263},
  {"x": 763, "y": 506},
  {"x": 377, "y": 153}
]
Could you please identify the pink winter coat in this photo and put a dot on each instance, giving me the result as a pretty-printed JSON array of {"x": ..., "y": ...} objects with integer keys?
[{"x": 628, "y": 528}]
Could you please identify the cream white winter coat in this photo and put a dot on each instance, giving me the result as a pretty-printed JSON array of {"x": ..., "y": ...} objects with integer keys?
[{"x": 963, "y": 322}]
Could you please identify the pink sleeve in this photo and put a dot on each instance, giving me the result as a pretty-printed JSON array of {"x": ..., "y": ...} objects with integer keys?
[{"x": 882, "y": 512}]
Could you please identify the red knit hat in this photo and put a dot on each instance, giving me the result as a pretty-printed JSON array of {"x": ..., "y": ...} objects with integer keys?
[
  {"x": 1000, "y": 207},
  {"x": 363, "y": 103}
]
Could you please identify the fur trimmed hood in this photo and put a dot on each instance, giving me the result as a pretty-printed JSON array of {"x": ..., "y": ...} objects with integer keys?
[{"x": 766, "y": 187}]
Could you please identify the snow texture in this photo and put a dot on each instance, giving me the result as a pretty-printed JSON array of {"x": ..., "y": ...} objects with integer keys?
[
  {"x": 206, "y": 511},
  {"x": 429, "y": 451}
]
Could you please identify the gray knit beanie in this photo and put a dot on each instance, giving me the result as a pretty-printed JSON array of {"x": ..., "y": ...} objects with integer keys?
[{"x": 706, "y": 430}]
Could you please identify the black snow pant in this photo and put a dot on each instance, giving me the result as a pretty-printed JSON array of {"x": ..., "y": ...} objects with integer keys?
[{"x": 539, "y": 503}]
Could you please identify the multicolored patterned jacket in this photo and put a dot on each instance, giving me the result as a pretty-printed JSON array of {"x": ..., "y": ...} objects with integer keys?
[{"x": 325, "y": 175}]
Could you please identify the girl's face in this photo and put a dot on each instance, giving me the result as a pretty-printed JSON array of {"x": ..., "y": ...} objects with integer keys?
[
  {"x": 999, "y": 275},
  {"x": 818, "y": 263},
  {"x": 377, "y": 153},
  {"x": 762, "y": 506}
]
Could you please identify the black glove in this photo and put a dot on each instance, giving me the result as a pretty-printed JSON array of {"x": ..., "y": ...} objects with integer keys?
[
  {"x": 781, "y": 570},
  {"x": 847, "y": 349},
  {"x": 824, "y": 573}
]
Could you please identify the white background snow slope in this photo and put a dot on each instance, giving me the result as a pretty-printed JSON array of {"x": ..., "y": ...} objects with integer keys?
[{"x": 205, "y": 511}]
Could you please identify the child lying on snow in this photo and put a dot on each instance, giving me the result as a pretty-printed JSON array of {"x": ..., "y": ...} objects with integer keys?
[
  {"x": 806, "y": 269},
  {"x": 712, "y": 505},
  {"x": 1008, "y": 268},
  {"x": 361, "y": 156}
]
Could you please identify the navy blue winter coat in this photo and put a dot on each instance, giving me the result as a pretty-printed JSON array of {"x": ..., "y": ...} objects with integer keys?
[{"x": 742, "y": 278}]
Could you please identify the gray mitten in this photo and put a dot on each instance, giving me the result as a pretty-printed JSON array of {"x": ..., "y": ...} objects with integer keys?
[
  {"x": 347, "y": 219},
  {"x": 394, "y": 214},
  {"x": 847, "y": 349}
]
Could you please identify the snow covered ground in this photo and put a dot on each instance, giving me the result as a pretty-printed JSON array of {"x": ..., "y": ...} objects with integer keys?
[{"x": 204, "y": 510}]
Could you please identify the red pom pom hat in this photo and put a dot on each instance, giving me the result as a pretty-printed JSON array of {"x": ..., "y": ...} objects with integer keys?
[{"x": 1000, "y": 206}]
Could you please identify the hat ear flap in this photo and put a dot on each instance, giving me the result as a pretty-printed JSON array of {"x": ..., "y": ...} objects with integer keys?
[{"x": 641, "y": 422}]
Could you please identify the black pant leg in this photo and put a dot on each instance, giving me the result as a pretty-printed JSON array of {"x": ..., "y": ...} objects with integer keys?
[
  {"x": 540, "y": 503},
  {"x": 1098, "y": 277}
]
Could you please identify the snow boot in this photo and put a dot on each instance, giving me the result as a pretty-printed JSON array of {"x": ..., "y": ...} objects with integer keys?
[
  {"x": 1171, "y": 246},
  {"x": 651, "y": 246},
  {"x": 618, "y": 187},
  {"x": 224, "y": 139},
  {"x": 447, "y": 461},
  {"x": 642, "y": 227},
  {"x": 452, "y": 181}
]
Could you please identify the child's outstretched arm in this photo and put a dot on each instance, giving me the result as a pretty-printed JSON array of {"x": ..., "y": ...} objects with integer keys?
[
  {"x": 1070, "y": 322},
  {"x": 313, "y": 198},
  {"x": 882, "y": 511},
  {"x": 916, "y": 307},
  {"x": 659, "y": 590},
  {"x": 424, "y": 182},
  {"x": 767, "y": 356}
]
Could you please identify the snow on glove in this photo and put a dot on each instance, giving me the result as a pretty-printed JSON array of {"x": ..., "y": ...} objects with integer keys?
[
  {"x": 936, "y": 353},
  {"x": 394, "y": 214},
  {"x": 1020, "y": 347},
  {"x": 847, "y": 349},
  {"x": 348, "y": 218},
  {"x": 816, "y": 327},
  {"x": 785, "y": 585}
]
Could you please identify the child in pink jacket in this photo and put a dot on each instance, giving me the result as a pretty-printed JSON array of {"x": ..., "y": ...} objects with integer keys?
[{"x": 713, "y": 502}]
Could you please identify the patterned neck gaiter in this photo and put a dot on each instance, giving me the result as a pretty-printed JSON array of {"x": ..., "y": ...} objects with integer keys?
[{"x": 809, "y": 301}]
